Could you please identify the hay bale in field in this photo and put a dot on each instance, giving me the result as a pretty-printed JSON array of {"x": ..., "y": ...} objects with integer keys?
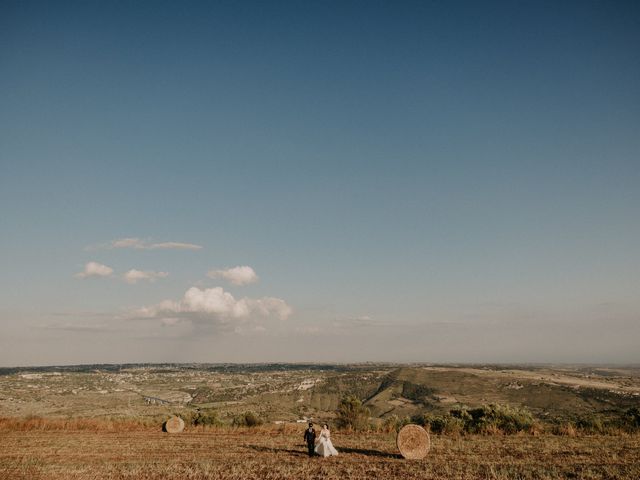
[
  {"x": 174, "y": 425},
  {"x": 413, "y": 442}
]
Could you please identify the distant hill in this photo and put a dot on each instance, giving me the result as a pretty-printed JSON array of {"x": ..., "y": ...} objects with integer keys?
[
  {"x": 546, "y": 392},
  {"x": 294, "y": 392}
]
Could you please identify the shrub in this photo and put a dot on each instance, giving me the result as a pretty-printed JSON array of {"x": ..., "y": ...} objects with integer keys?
[
  {"x": 567, "y": 429},
  {"x": 418, "y": 419},
  {"x": 628, "y": 421},
  {"x": 590, "y": 424},
  {"x": 393, "y": 423},
  {"x": 464, "y": 416},
  {"x": 632, "y": 418},
  {"x": 247, "y": 419},
  {"x": 390, "y": 424},
  {"x": 206, "y": 417},
  {"x": 417, "y": 393},
  {"x": 445, "y": 424},
  {"x": 352, "y": 414},
  {"x": 502, "y": 418},
  {"x": 486, "y": 419}
]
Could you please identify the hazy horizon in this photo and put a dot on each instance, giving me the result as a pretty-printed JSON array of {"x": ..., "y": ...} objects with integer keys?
[
  {"x": 330, "y": 364},
  {"x": 259, "y": 182}
]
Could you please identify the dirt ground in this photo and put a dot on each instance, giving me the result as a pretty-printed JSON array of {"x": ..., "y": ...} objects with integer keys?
[{"x": 281, "y": 455}]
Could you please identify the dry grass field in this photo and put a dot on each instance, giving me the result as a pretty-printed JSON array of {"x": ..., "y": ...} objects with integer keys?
[{"x": 278, "y": 453}]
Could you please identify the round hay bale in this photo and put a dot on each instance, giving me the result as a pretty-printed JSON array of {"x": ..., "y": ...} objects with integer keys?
[
  {"x": 413, "y": 442},
  {"x": 174, "y": 425}
]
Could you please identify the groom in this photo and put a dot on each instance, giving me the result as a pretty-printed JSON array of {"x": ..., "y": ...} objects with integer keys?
[{"x": 310, "y": 438}]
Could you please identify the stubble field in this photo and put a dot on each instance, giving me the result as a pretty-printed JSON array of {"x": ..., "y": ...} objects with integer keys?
[{"x": 273, "y": 453}]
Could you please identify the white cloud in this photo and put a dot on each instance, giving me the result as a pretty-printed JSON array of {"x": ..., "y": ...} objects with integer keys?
[
  {"x": 240, "y": 275},
  {"x": 174, "y": 245},
  {"x": 134, "y": 276},
  {"x": 95, "y": 269},
  {"x": 127, "y": 243},
  {"x": 270, "y": 306},
  {"x": 217, "y": 306},
  {"x": 140, "y": 244}
]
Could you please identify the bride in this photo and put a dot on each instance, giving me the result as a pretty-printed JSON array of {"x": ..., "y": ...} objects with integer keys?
[{"x": 324, "y": 447}]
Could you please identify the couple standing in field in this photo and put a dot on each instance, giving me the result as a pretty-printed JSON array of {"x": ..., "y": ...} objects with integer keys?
[{"x": 323, "y": 445}]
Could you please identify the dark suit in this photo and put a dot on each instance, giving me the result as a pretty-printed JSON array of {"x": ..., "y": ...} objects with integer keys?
[{"x": 310, "y": 438}]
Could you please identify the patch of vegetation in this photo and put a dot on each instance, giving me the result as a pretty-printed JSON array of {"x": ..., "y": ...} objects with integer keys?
[
  {"x": 353, "y": 383},
  {"x": 591, "y": 424},
  {"x": 206, "y": 417},
  {"x": 247, "y": 419},
  {"x": 628, "y": 421},
  {"x": 606, "y": 399},
  {"x": 352, "y": 415},
  {"x": 632, "y": 417},
  {"x": 491, "y": 418},
  {"x": 443, "y": 424},
  {"x": 417, "y": 393},
  {"x": 388, "y": 381},
  {"x": 393, "y": 423}
]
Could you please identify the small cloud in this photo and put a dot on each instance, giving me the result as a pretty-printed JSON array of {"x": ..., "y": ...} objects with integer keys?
[
  {"x": 214, "y": 306},
  {"x": 95, "y": 269},
  {"x": 139, "y": 244},
  {"x": 174, "y": 245},
  {"x": 240, "y": 275},
  {"x": 127, "y": 243},
  {"x": 134, "y": 276}
]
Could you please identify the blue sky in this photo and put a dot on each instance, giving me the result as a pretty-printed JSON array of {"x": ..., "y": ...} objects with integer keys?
[{"x": 416, "y": 181}]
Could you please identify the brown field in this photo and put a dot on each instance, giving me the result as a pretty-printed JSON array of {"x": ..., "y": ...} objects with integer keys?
[{"x": 277, "y": 453}]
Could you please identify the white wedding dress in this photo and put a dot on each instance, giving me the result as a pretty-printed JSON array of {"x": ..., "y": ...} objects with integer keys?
[{"x": 325, "y": 448}]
